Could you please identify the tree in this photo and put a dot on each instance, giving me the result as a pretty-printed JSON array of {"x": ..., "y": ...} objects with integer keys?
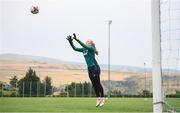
[
  {"x": 13, "y": 81},
  {"x": 48, "y": 83},
  {"x": 81, "y": 89},
  {"x": 1, "y": 86},
  {"x": 116, "y": 93},
  {"x": 29, "y": 83},
  {"x": 145, "y": 93},
  {"x": 177, "y": 93}
]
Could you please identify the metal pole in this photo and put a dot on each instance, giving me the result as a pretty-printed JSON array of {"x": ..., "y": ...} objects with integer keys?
[
  {"x": 109, "y": 52},
  {"x": 52, "y": 91},
  {"x": 145, "y": 76},
  {"x": 82, "y": 90},
  {"x": 2, "y": 90},
  {"x": 30, "y": 89},
  {"x": 16, "y": 88},
  {"x": 74, "y": 89},
  {"x": 168, "y": 88},
  {"x": 145, "y": 79},
  {"x": 45, "y": 89},
  {"x": 90, "y": 90},
  {"x": 156, "y": 58},
  {"x": 60, "y": 88},
  {"x": 177, "y": 82},
  {"x": 67, "y": 91},
  {"x": 23, "y": 88},
  {"x": 37, "y": 89},
  {"x": 150, "y": 85}
]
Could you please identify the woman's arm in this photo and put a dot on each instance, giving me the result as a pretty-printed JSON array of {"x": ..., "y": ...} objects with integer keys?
[
  {"x": 75, "y": 48},
  {"x": 82, "y": 44}
]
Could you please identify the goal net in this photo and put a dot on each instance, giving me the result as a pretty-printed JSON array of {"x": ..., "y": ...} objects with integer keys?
[{"x": 170, "y": 51}]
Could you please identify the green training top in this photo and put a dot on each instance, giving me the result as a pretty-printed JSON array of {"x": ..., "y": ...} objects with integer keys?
[{"x": 88, "y": 52}]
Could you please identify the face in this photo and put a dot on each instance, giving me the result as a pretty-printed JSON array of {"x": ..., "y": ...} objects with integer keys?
[{"x": 89, "y": 42}]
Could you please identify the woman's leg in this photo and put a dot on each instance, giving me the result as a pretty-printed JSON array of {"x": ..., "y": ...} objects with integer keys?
[
  {"x": 95, "y": 86},
  {"x": 91, "y": 71},
  {"x": 100, "y": 88},
  {"x": 94, "y": 75},
  {"x": 98, "y": 81},
  {"x": 101, "y": 91}
]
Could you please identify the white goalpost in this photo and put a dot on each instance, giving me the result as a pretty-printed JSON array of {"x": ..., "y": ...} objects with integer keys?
[
  {"x": 156, "y": 58},
  {"x": 166, "y": 53}
]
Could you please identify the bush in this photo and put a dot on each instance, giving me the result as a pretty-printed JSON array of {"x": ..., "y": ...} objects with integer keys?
[
  {"x": 63, "y": 94},
  {"x": 13, "y": 94}
]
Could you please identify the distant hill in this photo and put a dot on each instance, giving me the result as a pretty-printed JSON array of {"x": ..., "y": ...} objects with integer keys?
[
  {"x": 40, "y": 59},
  {"x": 125, "y": 78},
  {"x": 18, "y": 57},
  {"x": 61, "y": 72}
]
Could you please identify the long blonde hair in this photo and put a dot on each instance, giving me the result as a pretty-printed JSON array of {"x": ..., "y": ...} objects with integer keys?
[{"x": 90, "y": 42}]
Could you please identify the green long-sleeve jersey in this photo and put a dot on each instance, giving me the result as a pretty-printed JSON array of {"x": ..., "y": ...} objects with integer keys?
[{"x": 88, "y": 52}]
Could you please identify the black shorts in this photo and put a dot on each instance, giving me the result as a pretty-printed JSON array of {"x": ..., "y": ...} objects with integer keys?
[{"x": 94, "y": 71}]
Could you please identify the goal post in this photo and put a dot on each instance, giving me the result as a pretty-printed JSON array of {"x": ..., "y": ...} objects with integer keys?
[
  {"x": 156, "y": 58},
  {"x": 166, "y": 53}
]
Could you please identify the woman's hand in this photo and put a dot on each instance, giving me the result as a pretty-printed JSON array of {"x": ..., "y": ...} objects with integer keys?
[
  {"x": 74, "y": 36},
  {"x": 69, "y": 38}
]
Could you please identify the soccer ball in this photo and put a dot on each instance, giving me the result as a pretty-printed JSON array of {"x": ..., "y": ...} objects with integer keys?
[{"x": 34, "y": 9}]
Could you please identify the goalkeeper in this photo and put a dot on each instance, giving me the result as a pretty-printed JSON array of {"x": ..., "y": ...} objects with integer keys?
[{"x": 89, "y": 50}]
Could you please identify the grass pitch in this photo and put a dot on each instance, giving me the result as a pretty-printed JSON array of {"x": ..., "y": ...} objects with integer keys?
[{"x": 37, "y": 104}]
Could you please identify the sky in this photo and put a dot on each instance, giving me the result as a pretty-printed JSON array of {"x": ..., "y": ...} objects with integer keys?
[{"x": 44, "y": 34}]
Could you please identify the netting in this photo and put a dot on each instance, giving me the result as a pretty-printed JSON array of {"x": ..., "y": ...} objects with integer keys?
[{"x": 170, "y": 49}]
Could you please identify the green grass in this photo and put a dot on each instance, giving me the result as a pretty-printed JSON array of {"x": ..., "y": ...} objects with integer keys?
[{"x": 77, "y": 105}]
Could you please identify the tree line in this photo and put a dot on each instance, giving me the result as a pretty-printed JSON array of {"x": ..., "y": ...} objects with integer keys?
[
  {"x": 86, "y": 90},
  {"x": 29, "y": 85}
]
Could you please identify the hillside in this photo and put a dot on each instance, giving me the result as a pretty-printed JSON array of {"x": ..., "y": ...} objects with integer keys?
[
  {"x": 61, "y": 72},
  {"x": 73, "y": 65},
  {"x": 125, "y": 78}
]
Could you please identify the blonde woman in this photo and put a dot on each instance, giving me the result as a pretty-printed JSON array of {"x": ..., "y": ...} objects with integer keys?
[{"x": 89, "y": 51}]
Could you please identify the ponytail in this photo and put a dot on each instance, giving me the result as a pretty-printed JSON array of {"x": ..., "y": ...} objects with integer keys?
[{"x": 96, "y": 51}]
